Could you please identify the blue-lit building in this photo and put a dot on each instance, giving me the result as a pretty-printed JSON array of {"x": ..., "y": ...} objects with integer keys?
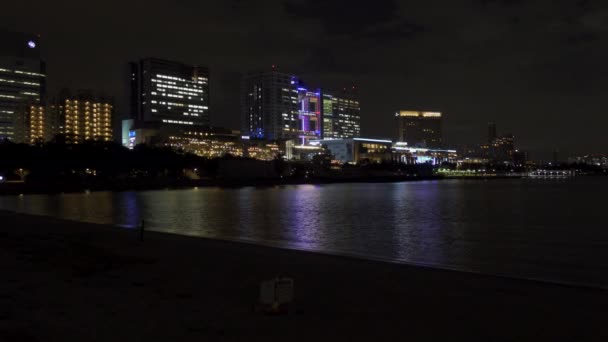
[
  {"x": 22, "y": 78},
  {"x": 278, "y": 106},
  {"x": 418, "y": 155},
  {"x": 310, "y": 115},
  {"x": 169, "y": 92}
]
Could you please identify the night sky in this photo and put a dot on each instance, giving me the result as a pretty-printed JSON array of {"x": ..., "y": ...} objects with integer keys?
[{"x": 536, "y": 68}]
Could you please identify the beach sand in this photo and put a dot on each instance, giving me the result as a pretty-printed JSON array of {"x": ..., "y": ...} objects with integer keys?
[{"x": 71, "y": 281}]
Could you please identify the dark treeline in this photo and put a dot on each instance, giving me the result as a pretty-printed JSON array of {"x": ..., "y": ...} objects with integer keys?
[
  {"x": 59, "y": 167},
  {"x": 98, "y": 164}
]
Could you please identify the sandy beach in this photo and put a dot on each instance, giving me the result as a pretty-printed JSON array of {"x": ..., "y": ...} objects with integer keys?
[{"x": 70, "y": 281}]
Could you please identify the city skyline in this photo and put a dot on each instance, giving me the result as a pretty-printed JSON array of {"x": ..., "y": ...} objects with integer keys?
[
  {"x": 274, "y": 106},
  {"x": 479, "y": 82}
]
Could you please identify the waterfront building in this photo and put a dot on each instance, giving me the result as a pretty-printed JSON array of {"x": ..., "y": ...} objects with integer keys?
[
  {"x": 175, "y": 135},
  {"x": 169, "y": 92},
  {"x": 341, "y": 114},
  {"x": 502, "y": 148},
  {"x": 356, "y": 150},
  {"x": 263, "y": 149},
  {"x": 419, "y": 129},
  {"x": 82, "y": 117},
  {"x": 22, "y": 78},
  {"x": 203, "y": 141},
  {"x": 417, "y": 155},
  {"x": 211, "y": 143},
  {"x": 269, "y": 105},
  {"x": 598, "y": 160}
]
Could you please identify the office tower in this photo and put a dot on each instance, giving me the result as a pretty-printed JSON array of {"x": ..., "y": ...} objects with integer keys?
[
  {"x": 420, "y": 129},
  {"x": 269, "y": 105},
  {"x": 169, "y": 92},
  {"x": 491, "y": 132},
  {"x": 341, "y": 114},
  {"x": 329, "y": 121},
  {"x": 82, "y": 117},
  {"x": 22, "y": 77}
]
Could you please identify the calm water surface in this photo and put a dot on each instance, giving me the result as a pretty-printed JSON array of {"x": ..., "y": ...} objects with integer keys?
[{"x": 545, "y": 229}]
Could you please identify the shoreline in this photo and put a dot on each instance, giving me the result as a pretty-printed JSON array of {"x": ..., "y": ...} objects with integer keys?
[
  {"x": 72, "y": 278},
  {"x": 13, "y": 189},
  {"x": 8, "y": 189}
]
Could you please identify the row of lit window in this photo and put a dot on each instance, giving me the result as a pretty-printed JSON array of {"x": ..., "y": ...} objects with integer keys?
[
  {"x": 189, "y": 86},
  {"x": 193, "y": 90},
  {"x": 199, "y": 78},
  {"x": 23, "y": 72},
  {"x": 20, "y": 82}
]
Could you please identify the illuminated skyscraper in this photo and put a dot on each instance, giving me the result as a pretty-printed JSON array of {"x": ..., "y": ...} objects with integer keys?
[
  {"x": 269, "y": 105},
  {"x": 341, "y": 114},
  {"x": 277, "y": 105},
  {"x": 420, "y": 129},
  {"x": 169, "y": 92},
  {"x": 82, "y": 117},
  {"x": 22, "y": 78}
]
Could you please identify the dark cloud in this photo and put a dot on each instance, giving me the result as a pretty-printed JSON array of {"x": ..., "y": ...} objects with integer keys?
[
  {"x": 380, "y": 20},
  {"x": 501, "y": 2},
  {"x": 582, "y": 37}
]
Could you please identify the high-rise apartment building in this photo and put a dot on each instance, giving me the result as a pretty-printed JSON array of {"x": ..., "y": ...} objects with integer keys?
[
  {"x": 420, "y": 129},
  {"x": 169, "y": 92},
  {"x": 269, "y": 105},
  {"x": 32, "y": 125},
  {"x": 22, "y": 78},
  {"x": 82, "y": 117}
]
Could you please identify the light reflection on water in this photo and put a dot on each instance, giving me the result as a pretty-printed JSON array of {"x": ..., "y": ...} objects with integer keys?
[{"x": 551, "y": 230}]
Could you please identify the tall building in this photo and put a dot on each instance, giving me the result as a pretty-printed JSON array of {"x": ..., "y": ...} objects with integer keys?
[
  {"x": 82, "y": 117},
  {"x": 341, "y": 114},
  {"x": 269, "y": 105},
  {"x": 491, "y": 132},
  {"x": 169, "y": 92},
  {"x": 503, "y": 148},
  {"x": 310, "y": 115},
  {"x": 276, "y": 105},
  {"x": 330, "y": 121},
  {"x": 420, "y": 129},
  {"x": 22, "y": 77},
  {"x": 32, "y": 125}
]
